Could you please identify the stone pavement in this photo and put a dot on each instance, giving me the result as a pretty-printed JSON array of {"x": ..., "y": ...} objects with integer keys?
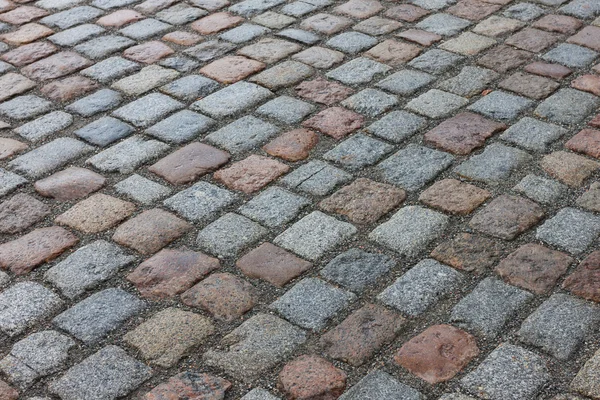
[{"x": 299, "y": 199}]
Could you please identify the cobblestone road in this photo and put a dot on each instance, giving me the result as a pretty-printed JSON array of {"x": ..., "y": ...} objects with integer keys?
[{"x": 299, "y": 199}]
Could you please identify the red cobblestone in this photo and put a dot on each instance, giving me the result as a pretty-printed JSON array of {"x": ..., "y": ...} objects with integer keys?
[
  {"x": 294, "y": 145},
  {"x": 232, "y": 69},
  {"x": 336, "y": 122},
  {"x": 68, "y": 88},
  {"x": 322, "y": 91},
  {"x": 251, "y": 174},
  {"x": 312, "y": 377},
  {"x": 585, "y": 280},
  {"x": 192, "y": 386},
  {"x": 70, "y": 184},
  {"x": 216, "y": 22}
]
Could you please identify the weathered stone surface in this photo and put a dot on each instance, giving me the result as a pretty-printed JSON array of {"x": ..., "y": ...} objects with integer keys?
[
  {"x": 585, "y": 280},
  {"x": 311, "y": 377},
  {"x": 453, "y": 196},
  {"x": 469, "y": 252},
  {"x": 251, "y": 174},
  {"x": 70, "y": 184},
  {"x": 97, "y": 213},
  {"x": 294, "y": 145},
  {"x": 20, "y": 212},
  {"x": 190, "y": 385},
  {"x": 569, "y": 168},
  {"x": 586, "y": 382}
]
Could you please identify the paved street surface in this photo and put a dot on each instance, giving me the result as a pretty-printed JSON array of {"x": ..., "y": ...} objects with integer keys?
[{"x": 299, "y": 199}]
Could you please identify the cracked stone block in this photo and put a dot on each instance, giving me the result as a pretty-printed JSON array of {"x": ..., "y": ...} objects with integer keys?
[
  {"x": 380, "y": 384},
  {"x": 93, "y": 318},
  {"x": 105, "y": 375},
  {"x": 315, "y": 235},
  {"x": 356, "y": 269},
  {"x": 274, "y": 207},
  {"x": 494, "y": 165},
  {"x": 25, "y": 304},
  {"x": 421, "y": 287},
  {"x": 316, "y": 177},
  {"x": 560, "y": 325},
  {"x": 311, "y": 303},
  {"x": 165, "y": 338},
  {"x": 229, "y": 235},
  {"x": 256, "y": 346},
  {"x": 126, "y": 156},
  {"x": 39, "y": 354},
  {"x": 87, "y": 267},
  {"x": 510, "y": 372},
  {"x": 489, "y": 307},
  {"x": 410, "y": 230},
  {"x": 570, "y": 229},
  {"x": 414, "y": 166}
]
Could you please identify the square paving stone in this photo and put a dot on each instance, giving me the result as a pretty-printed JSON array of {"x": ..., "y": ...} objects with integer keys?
[
  {"x": 468, "y": 44},
  {"x": 468, "y": 252},
  {"x": 569, "y": 168},
  {"x": 319, "y": 57},
  {"x": 25, "y": 107},
  {"x": 145, "y": 29},
  {"x": 105, "y": 375},
  {"x": 243, "y": 134},
  {"x": 364, "y": 201},
  {"x": 20, "y": 212},
  {"x": 209, "y": 50},
  {"x": 560, "y": 325},
  {"x": 323, "y": 91},
  {"x": 232, "y": 99},
  {"x": 455, "y": 197},
  {"x": 45, "y": 125},
  {"x": 274, "y": 207},
  {"x": 469, "y": 82},
  {"x": 190, "y": 87},
  {"x": 509, "y": 373},
  {"x": 358, "y": 71},
  {"x": 351, "y": 42},
  {"x": 256, "y": 346},
  {"x": 504, "y": 58},
  {"x": 405, "y": 82},
  {"x": 534, "y": 267},
  {"x": 180, "y": 14},
  {"x": 421, "y": 287},
  {"x": 359, "y": 336},
  {"x": 571, "y": 55},
  {"x": 311, "y": 303},
  {"x": 443, "y": 24},
  {"x": 379, "y": 384},
  {"x": 436, "y": 61},
  {"x": 110, "y": 69},
  {"x": 410, "y": 230},
  {"x": 299, "y": 35},
  {"x": 422, "y": 357},
  {"x": 316, "y": 177},
  {"x": 315, "y": 235},
  {"x": 87, "y": 267},
  {"x": 584, "y": 282},
  {"x": 74, "y": 16},
  {"x": 147, "y": 79},
  {"x": 9, "y": 181},
  {"x": 370, "y": 102},
  {"x": 38, "y": 355},
  {"x": 70, "y": 184},
  {"x": 189, "y": 163},
  {"x": 586, "y": 142},
  {"x": 581, "y": 8},
  {"x": 489, "y": 307},
  {"x": 93, "y": 318},
  {"x": 585, "y": 382},
  {"x": 229, "y": 235},
  {"x": 147, "y": 110},
  {"x": 540, "y": 189},
  {"x": 532, "y": 86},
  {"x": 201, "y": 202},
  {"x": 49, "y": 157},
  {"x": 389, "y": 51},
  {"x": 103, "y": 46},
  {"x": 244, "y": 33},
  {"x": 181, "y": 127},
  {"x": 494, "y": 165},
  {"x": 524, "y": 11},
  {"x": 231, "y": 69},
  {"x": 76, "y": 35},
  {"x": 102, "y": 100},
  {"x": 286, "y": 109},
  {"x": 168, "y": 335},
  {"x": 150, "y": 231},
  {"x": 104, "y": 131},
  {"x": 463, "y": 133},
  {"x": 507, "y": 216},
  {"x": 25, "y": 304},
  {"x": 126, "y": 156},
  {"x": 570, "y": 229},
  {"x": 397, "y": 126},
  {"x": 336, "y": 122},
  {"x": 358, "y": 152},
  {"x": 558, "y": 107},
  {"x": 589, "y": 200},
  {"x": 414, "y": 166},
  {"x": 532, "y": 39},
  {"x": 178, "y": 63},
  {"x": 501, "y": 105},
  {"x": 270, "y": 50},
  {"x": 272, "y": 264},
  {"x": 532, "y": 134},
  {"x": 356, "y": 269}
]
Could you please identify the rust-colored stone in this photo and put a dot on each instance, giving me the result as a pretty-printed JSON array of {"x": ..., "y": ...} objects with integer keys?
[
  {"x": 120, "y": 18},
  {"x": 473, "y": 9},
  {"x": 322, "y": 91},
  {"x": 588, "y": 83},
  {"x": 216, "y": 22},
  {"x": 360, "y": 335},
  {"x": 56, "y": 66},
  {"x": 192, "y": 386},
  {"x": 336, "y": 122},
  {"x": 310, "y": 377},
  {"x": 469, "y": 252},
  {"x": 364, "y": 201},
  {"x": 463, "y": 133},
  {"x": 534, "y": 267},
  {"x": 26, "y": 34},
  {"x": 70, "y": 184},
  {"x": 20, "y": 212},
  {"x": 149, "y": 52},
  {"x": 251, "y": 174},
  {"x": 438, "y": 353},
  {"x": 453, "y": 196},
  {"x": 531, "y": 39},
  {"x": 294, "y": 145},
  {"x": 555, "y": 71},
  {"x": 7, "y": 392},
  {"x": 171, "y": 272},
  {"x": 393, "y": 53},
  {"x": 69, "y": 88},
  {"x": 588, "y": 37},
  {"x": 406, "y": 12},
  {"x": 39, "y": 246},
  {"x": 569, "y": 168},
  {"x": 558, "y": 23},
  {"x": 224, "y": 295},
  {"x": 232, "y": 69},
  {"x": 189, "y": 163},
  {"x": 22, "y": 15},
  {"x": 97, "y": 213},
  {"x": 585, "y": 280},
  {"x": 272, "y": 264},
  {"x": 28, "y": 53},
  {"x": 150, "y": 231},
  {"x": 421, "y": 37},
  {"x": 182, "y": 38},
  {"x": 587, "y": 142}
]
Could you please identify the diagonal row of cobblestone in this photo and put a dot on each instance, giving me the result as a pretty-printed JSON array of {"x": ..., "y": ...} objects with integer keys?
[{"x": 299, "y": 199}]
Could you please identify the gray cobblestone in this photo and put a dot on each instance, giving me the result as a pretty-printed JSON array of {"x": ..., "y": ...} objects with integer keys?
[
  {"x": 243, "y": 134},
  {"x": 274, "y": 207},
  {"x": 127, "y": 155},
  {"x": 45, "y": 125},
  {"x": 228, "y": 235},
  {"x": 570, "y": 229},
  {"x": 356, "y": 269},
  {"x": 142, "y": 190},
  {"x": 200, "y": 202}
]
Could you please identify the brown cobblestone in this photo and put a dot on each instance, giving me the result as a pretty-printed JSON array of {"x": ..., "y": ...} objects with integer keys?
[
  {"x": 150, "y": 231},
  {"x": 251, "y": 174},
  {"x": 97, "y": 213},
  {"x": 27, "y": 54},
  {"x": 70, "y": 184},
  {"x": 590, "y": 199},
  {"x": 558, "y": 23},
  {"x": 359, "y": 8},
  {"x": 569, "y": 168},
  {"x": 232, "y": 69},
  {"x": 294, "y": 145},
  {"x": 455, "y": 197},
  {"x": 585, "y": 280},
  {"x": 588, "y": 83},
  {"x": 149, "y": 52},
  {"x": 56, "y": 66},
  {"x": 393, "y": 53},
  {"x": 528, "y": 85},
  {"x": 473, "y": 9},
  {"x": 192, "y": 386},
  {"x": 326, "y": 23},
  {"x": 216, "y": 22},
  {"x": 120, "y": 18},
  {"x": 336, "y": 122},
  {"x": 22, "y": 15},
  {"x": 312, "y": 377},
  {"x": 26, "y": 34},
  {"x": 588, "y": 37},
  {"x": 587, "y": 142},
  {"x": 423, "y": 38},
  {"x": 406, "y": 12},
  {"x": 20, "y": 212},
  {"x": 319, "y": 57},
  {"x": 531, "y": 39},
  {"x": 182, "y": 38},
  {"x": 322, "y": 91},
  {"x": 555, "y": 71},
  {"x": 504, "y": 58},
  {"x": 39, "y": 246},
  {"x": 10, "y": 147},
  {"x": 69, "y": 88},
  {"x": 468, "y": 252},
  {"x": 13, "y": 84},
  {"x": 7, "y": 392}
]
